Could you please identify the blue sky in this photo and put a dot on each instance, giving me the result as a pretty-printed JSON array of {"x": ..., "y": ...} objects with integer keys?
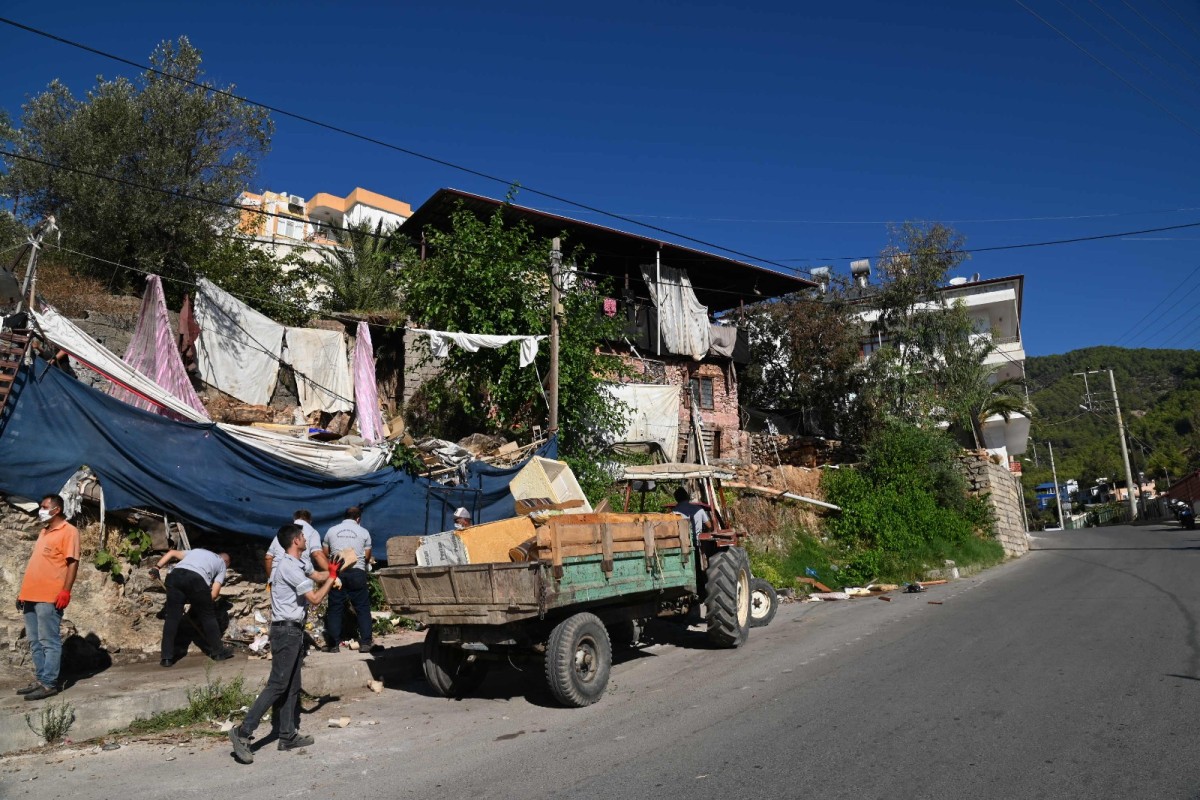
[{"x": 788, "y": 131}]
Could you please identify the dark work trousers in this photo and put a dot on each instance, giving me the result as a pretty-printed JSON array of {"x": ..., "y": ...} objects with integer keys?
[
  {"x": 287, "y": 645},
  {"x": 354, "y": 590},
  {"x": 185, "y": 587}
]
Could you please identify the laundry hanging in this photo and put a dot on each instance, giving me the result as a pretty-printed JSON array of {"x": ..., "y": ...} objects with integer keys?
[
  {"x": 681, "y": 319},
  {"x": 440, "y": 341},
  {"x": 651, "y": 414},
  {"x": 152, "y": 352},
  {"x": 328, "y": 458},
  {"x": 366, "y": 395},
  {"x": 318, "y": 357},
  {"x": 239, "y": 349}
]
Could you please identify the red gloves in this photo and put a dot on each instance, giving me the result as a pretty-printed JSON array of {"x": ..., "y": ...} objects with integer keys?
[
  {"x": 335, "y": 564},
  {"x": 64, "y": 597}
]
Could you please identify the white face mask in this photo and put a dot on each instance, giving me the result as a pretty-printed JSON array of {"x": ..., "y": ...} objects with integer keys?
[
  {"x": 44, "y": 514},
  {"x": 458, "y": 526}
]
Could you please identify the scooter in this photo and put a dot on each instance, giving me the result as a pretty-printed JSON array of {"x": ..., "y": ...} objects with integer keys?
[{"x": 1187, "y": 518}]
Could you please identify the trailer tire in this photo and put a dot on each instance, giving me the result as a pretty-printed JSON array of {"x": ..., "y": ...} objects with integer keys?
[
  {"x": 764, "y": 602},
  {"x": 727, "y": 597},
  {"x": 447, "y": 669},
  {"x": 578, "y": 660}
]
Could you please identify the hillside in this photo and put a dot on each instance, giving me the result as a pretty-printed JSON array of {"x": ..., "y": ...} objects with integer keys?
[{"x": 1160, "y": 399}]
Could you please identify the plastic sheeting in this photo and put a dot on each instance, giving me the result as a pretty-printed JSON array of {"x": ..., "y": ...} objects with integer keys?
[
  {"x": 201, "y": 475},
  {"x": 366, "y": 393},
  {"x": 682, "y": 320},
  {"x": 153, "y": 353},
  {"x": 318, "y": 357},
  {"x": 653, "y": 414},
  {"x": 336, "y": 460},
  {"x": 722, "y": 340},
  {"x": 239, "y": 349}
]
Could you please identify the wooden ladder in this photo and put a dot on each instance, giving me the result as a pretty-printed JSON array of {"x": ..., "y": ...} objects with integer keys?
[{"x": 13, "y": 344}]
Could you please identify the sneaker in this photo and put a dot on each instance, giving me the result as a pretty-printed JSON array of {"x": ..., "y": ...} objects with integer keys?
[
  {"x": 33, "y": 687},
  {"x": 333, "y": 648},
  {"x": 296, "y": 742},
  {"x": 42, "y": 692},
  {"x": 241, "y": 745},
  {"x": 224, "y": 655}
]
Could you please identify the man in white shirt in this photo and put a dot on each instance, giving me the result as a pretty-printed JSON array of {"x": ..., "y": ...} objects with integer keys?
[
  {"x": 195, "y": 582},
  {"x": 313, "y": 557},
  {"x": 349, "y": 534}
]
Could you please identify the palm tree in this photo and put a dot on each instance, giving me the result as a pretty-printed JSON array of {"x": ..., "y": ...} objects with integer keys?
[{"x": 361, "y": 272}]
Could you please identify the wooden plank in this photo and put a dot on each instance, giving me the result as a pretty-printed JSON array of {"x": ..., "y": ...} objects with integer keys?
[
  {"x": 815, "y": 584},
  {"x": 606, "y": 549},
  {"x": 402, "y": 551}
]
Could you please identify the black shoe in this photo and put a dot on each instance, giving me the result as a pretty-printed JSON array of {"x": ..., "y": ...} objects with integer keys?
[
  {"x": 296, "y": 742},
  {"x": 42, "y": 692},
  {"x": 224, "y": 655},
  {"x": 167, "y": 662},
  {"x": 241, "y": 746},
  {"x": 333, "y": 648},
  {"x": 33, "y": 687}
]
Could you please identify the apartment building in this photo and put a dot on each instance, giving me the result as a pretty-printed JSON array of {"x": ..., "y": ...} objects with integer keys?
[{"x": 286, "y": 222}]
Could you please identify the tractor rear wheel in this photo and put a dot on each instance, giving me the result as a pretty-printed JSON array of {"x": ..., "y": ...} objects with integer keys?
[
  {"x": 727, "y": 597},
  {"x": 764, "y": 602},
  {"x": 578, "y": 660}
]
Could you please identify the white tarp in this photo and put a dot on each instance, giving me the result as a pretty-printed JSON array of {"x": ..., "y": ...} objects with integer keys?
[
  {"x": 723, "y": 338},
  {"x": 653, "y": 414},
  {"x": 440, "y": 341},
  {"x": 336, "y": 460},
  {"x": 682, "y": 320},
  {"x": 318, "y": 357},
  {"x": 239, "y": 349},
  {"x": 328, "y": 458},
  {"x": 96, "y": 357}
]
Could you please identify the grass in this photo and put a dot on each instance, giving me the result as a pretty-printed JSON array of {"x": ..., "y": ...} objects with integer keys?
[
  {"x": 53, "y": 721},
  {"x": 215, "y": 700}
]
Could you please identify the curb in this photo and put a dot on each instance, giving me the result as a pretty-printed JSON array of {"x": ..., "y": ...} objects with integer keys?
[{"x": 114, "y": 699}]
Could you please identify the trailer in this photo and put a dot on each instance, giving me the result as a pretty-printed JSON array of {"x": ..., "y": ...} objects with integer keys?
[{"x": 589, "y": 582}]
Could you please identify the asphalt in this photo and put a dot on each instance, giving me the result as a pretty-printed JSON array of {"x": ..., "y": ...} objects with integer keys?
[{"x": 111, "y": 700}]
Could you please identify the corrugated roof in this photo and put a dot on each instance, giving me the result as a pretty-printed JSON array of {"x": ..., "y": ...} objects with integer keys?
[{"x": 720, "y": 283}]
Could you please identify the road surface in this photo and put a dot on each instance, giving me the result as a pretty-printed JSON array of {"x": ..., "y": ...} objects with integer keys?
[{"x": 1072, "y": 672}]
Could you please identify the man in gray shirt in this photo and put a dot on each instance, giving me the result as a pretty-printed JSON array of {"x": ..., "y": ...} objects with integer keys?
[
  {"x": 195, "y": 582},
  {"x": 349, "y": 534},
  {"x": 313, "y": 557},
  {"x": 291, "y": 592},
  {"x": 696, "y": 514}
]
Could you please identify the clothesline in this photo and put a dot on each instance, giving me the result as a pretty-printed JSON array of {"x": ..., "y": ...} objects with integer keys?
[{"x": 440, "y": 341}]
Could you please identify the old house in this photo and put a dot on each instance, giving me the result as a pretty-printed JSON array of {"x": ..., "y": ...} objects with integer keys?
[{"x": 680, "y": 309}]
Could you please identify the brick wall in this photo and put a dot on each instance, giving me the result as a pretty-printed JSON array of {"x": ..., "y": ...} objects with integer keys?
[
  {"x": 722, "y": 419},
  {"x": 985, "y": 477}
]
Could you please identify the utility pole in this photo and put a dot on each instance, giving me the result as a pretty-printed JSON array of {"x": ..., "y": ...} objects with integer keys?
[
  {"x": 555, "y": 311},
  {"x": 1129, "y": 485},
  {"x": 1130, "y": 495},
  {"x": 29, "y": 285},
  {"x": 1057, "y": 490}
]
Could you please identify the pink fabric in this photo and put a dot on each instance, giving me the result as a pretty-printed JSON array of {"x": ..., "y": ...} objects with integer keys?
[
  {"x": 366, "y": 395},
  {"x": 153, "y": 352}
]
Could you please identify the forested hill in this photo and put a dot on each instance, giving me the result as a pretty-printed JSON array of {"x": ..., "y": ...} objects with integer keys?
[{"x": 1159, "y": 392}]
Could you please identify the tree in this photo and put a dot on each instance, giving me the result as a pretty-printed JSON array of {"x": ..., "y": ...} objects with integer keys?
[
  {"x": 967, "y": 392},
  {"x": 154, "y": 131},
  {"x": 482, "y": 276},
  {"x": 362, "y": 273}
]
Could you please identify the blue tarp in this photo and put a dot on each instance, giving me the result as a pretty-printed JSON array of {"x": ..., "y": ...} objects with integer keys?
[{"x": 197, "y": 473}]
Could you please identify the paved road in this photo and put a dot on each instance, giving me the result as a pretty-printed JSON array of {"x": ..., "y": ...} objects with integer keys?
[{"x": 1073, "y": 672}]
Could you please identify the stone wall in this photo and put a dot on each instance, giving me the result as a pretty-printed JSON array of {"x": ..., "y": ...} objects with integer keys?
[
  {"x": 416, "y": 373},
  {"x": 797, "y": 451},
  {"x": 995, "y": 480}
]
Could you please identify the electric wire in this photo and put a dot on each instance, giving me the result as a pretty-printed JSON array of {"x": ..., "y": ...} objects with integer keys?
[
  {"x": 380, "y": 142},
  {"x": 1167, "y": 297},
  {"x": 1180, "y": 17},
  {"x": 1162, "y": 33},
  {"x": 1118, "y": 75},
  {"x": 1153, "y": 51}
]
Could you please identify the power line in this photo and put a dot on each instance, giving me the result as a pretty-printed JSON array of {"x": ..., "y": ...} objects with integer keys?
[
  {"x": 1162, "y": 33},
  {"x": 1180, "y": 17},
  {"x": 1144, "y": 44},
  {"x": 1168, "y": 296},
  {"x": 1118, "y": 75},
  {"x": 381, "y": 143}
]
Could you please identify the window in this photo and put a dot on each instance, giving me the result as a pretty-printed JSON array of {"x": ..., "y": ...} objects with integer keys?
[{"x": 704, "y": 388}]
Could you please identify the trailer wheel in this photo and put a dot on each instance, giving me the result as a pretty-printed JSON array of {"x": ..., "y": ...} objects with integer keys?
[
  {"x": 578, "y": 660},
  {"x": 447, "y": 669},
  {"x": 764, "y": 602},
  {"x": 727, "y": 597}
]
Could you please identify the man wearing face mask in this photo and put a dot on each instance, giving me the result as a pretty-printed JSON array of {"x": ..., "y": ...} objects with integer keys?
[
  {"x": 462, "y": 519},
  {"x": 45, "y": 593}
]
